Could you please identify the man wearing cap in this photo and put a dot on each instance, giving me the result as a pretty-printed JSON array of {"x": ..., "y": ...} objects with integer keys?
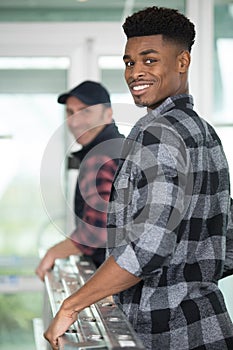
[{"x": 89, "y": 118}]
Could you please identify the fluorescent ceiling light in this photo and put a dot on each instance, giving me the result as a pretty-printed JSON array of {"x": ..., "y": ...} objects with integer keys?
[{"x": 34, "y": 62}]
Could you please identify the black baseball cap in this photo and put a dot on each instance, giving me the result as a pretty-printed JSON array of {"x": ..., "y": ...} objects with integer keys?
[{"x": 89, "y": 92}]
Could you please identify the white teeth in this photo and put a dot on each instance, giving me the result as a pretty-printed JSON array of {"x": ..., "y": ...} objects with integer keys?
[{"x": 140, "y": 87}]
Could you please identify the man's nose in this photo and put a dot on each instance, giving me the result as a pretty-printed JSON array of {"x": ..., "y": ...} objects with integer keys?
[{"x": 138, "y": 71}]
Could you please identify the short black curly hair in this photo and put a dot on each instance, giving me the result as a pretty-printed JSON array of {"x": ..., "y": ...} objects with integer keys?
[{"x": 154, "y": 20}]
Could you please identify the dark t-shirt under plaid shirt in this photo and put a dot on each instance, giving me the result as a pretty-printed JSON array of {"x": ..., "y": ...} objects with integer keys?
[{"x": 169, "y": 218}]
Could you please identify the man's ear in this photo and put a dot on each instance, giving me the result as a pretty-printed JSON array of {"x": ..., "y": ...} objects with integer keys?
[
  {"x": 108, "y": 113},
  {"x": 184, "y": 59}
]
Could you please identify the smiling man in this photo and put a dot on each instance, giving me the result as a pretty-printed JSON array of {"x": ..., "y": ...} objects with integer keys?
[
  {"x": 169, "y": 214},
  {"x": 151, "y": 74},
  {"x": 89, "y": 117}
]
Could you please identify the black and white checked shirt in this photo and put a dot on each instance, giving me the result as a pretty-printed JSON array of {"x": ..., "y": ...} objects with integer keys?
[{"x": 168, "y": 223}]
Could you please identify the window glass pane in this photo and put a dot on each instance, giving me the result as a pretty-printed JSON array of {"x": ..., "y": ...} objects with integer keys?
[
  {"x": 29, "y": 120},
  {"x": 225, "y": 134},
  {"x": 223, "y": 69},
  {"x": 30, "y": 115}
]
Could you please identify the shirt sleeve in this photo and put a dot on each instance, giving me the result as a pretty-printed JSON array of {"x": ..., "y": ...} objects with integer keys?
[
  {"x": 95, "y": 187},
  {"x": 228, "y": 265},
  {"x": 154, "y": 197}
]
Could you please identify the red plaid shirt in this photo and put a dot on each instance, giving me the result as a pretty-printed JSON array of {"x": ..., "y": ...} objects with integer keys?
[{"x": 95, "y": 182}]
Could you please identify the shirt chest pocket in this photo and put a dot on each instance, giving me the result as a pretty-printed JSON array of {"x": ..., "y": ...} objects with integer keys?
[
  {"x": 123, "y": 181},
  {"x": 123, "y": 190}
]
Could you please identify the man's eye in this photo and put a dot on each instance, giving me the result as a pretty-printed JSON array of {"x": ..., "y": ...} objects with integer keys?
[
  {"x": 87, "y": 110},
  {"x": 129, "y": 64},
  {"x": 69, "y": 113},
  {"x": 150, "y": 60}
]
